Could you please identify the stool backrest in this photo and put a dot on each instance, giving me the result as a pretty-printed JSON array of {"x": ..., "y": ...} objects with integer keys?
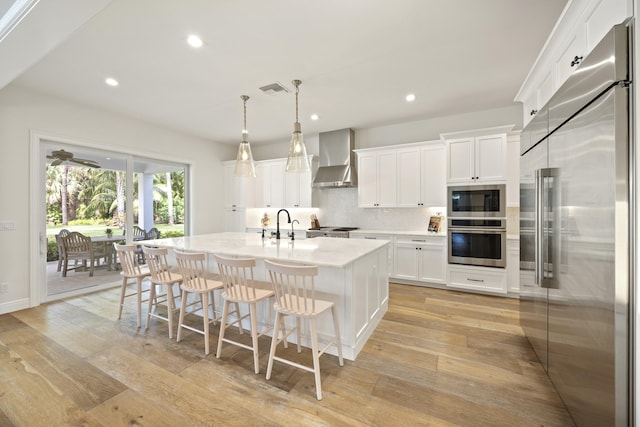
[
  {"x": 192, "y": 269},
  {"x": 158, "y": 264},
  {"x": 293, "y": 286},
  {"x": 128, "y": 259},
  {"x": 237, "y": 277}
]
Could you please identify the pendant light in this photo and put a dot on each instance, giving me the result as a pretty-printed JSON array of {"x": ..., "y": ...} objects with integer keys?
[
  {"x": 297, "y": 160},
  {"x": 244, "y": 160}
]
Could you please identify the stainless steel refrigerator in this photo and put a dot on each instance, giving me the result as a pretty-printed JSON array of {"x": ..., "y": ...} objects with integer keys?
[{"x": 574, "y": 235}]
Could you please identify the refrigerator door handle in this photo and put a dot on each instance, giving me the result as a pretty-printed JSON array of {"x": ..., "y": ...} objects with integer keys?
[
  {"x": 546, "y": 227},
  {"x": 539, "y": 229}
]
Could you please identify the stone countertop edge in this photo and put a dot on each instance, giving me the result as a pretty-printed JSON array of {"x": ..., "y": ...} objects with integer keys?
[
  {"x": 400, "y": 232},
  {"x": 321, "y": 251}
]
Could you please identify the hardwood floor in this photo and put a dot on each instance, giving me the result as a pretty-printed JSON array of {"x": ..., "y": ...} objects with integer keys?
[{"x": 438, "y": 358}]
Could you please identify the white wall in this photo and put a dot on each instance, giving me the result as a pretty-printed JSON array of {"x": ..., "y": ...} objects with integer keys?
[
  {"x": 402, "y": 133},
  {"x": 23, "y": 111}
]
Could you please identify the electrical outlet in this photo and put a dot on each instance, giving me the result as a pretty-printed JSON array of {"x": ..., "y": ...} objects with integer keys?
[{"x": 4, "y": 287}]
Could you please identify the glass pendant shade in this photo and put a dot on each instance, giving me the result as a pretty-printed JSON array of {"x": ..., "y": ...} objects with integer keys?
[
  {"x": 297, "y": 160},
  {"x": 245, "y": 168},
  {"x": 244, "y": 161}
]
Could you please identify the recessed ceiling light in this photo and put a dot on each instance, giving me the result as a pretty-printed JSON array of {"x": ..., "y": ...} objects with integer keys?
[
  {"x": 314, "y": 117},
  {"x": 111, "y": 81},
  {"x": 194, "y": 41},
  {"x": 410, "y": 98}
]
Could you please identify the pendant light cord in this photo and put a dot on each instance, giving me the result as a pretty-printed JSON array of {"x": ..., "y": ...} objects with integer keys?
[
  {"x": 244, "y": 129},
  {"x": 297, "y": 83}
]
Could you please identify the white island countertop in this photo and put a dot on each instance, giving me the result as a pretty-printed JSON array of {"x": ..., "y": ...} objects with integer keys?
[
  {"x": 420, "y": 232},
  {"x": 321, "y": 251}
]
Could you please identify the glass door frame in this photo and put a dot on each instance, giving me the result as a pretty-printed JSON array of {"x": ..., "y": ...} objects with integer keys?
[{"x": 38, "y": 234}]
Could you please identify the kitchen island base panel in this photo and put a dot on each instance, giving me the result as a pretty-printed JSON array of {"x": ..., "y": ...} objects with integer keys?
[
  {"x": 360, "y": 292},
  {"x": 359, "y": 288}
]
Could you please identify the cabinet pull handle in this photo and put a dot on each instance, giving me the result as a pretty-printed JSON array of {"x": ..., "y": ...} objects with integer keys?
[
  {"x": 533, "y": 112},
  {"x": 373, "y": 238},
  {"x": 475, "y": 280},
  {"x": 576, "y": 60},
  {"x": 418, "y": 240}
]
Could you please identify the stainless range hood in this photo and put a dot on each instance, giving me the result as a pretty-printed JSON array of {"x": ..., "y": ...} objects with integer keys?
[{"x": 337, "y": 167}]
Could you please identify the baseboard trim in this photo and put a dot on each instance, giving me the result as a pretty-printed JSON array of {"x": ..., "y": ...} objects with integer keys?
[{"x": 9, "y": 307}]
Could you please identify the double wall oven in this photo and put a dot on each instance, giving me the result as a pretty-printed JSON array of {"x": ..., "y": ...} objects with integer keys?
[{"x": 477, "y": 225}]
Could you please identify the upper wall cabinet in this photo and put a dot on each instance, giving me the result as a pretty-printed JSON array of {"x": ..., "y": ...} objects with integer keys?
[
  {"x": 422, "y": 175},
  {"x": 272, "y": 187},
  {"x": 477, "y": 159},
  {"x": 581, "y": 26},
  {"x": 297, "y": 187},
  {"x": 407, "y": 175},
  {"x": 377, "y": 178},
  {"x": 238, "y": 192},
  {"x": 270, "y": 175}
]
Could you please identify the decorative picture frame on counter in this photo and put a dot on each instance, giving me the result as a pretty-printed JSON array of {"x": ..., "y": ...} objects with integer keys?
[{"x": 434, "y": 224}]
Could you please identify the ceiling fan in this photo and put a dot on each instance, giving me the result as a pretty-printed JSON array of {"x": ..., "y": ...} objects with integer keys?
[{"x": 61, "y": 156}]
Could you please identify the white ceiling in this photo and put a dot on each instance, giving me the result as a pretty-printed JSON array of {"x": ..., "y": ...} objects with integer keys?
[{"x": 357, "y": 60}]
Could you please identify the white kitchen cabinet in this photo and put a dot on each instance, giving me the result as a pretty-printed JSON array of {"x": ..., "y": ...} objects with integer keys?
[
  {"x": 376, "y": 236},
  {"x": 377, "y": 179},
  {"x": 297, "y": 187},
  {"x": 421, "y": 173},
  {"x": 513, "y": 265},
  {"x": 600, "y": 16},
  {"x": 270, "y": 183},
  {"x": 538, "y": 97},
  {"x": 481, "y": 279},
  {"x": 571, "y": 53},
  {"x": 236, "y": 189},
  {"x": 235, "y": 220},
  {"x": 477, "y": 159},
  {"x": 420, "y": 258},
  {"x": 580, "y": 28}
]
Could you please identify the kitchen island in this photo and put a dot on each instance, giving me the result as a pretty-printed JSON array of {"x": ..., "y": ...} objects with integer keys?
[{"x": 351, "y": 272}]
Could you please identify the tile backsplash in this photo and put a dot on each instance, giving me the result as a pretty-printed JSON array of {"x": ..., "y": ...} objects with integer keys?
[{"x": 339, "y": 207}]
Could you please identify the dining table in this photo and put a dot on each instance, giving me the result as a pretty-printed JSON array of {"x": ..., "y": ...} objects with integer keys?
[{"x": 104, "y": 245}]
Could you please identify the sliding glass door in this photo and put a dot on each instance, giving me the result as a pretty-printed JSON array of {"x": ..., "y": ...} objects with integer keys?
[{"x": 107, "y": 197}]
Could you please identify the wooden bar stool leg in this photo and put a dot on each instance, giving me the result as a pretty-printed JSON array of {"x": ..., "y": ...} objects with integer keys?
[
  {"x": 284, "y": 332},
  {"x": 254, "y": 336},
  {"x": 239, "y": 321},
  {"x": 122, "y": 293},
  {"x": 152, "y": 295},
  {"x": 204, "y": 298},
  {"x": 139, "y": 298},
  {"x": 183, "y": 307},
  {"x": 170, "y": 309},
  {"x": 316, "y": 357},
  {"x": 298, "y": 333},
  {"x": 223, "y": 327},
  {"x": 274, "y": 343}
]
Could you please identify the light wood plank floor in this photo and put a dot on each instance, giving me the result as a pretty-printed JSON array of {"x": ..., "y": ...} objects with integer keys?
[{"x": 438, "y": 358}]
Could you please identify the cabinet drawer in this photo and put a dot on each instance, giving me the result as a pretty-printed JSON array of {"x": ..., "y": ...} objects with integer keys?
[{"x": 484, "y": 279}]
